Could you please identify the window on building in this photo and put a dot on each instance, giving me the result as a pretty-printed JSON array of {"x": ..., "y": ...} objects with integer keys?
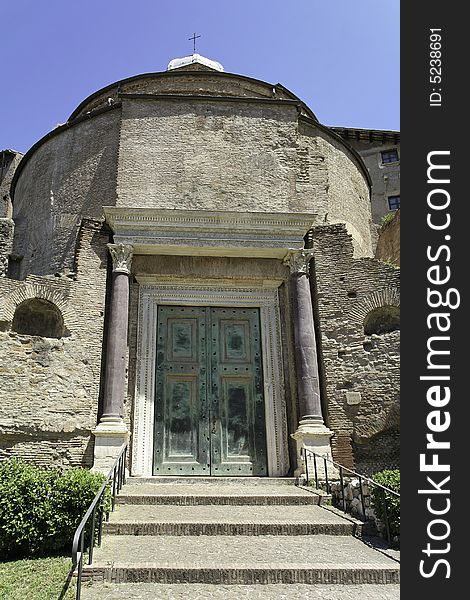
[
  {"x": 389, "y": 156},
  {"x": 393, "y": 202}
]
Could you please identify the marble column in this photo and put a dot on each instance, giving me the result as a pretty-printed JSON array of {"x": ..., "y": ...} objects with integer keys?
[
  {"x": 111, "y": 432},
  {"x": 311, "y": 431}
]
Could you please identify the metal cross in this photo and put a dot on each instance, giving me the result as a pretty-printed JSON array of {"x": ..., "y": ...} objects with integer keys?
[{"x": 194, "y": 38}]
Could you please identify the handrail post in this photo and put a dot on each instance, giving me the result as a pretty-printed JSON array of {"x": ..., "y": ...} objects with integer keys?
[
  {"x": 125, "y": 462},
  {"x": 362, "y": 499},
  {"x": 306, "y": 463},
  {"x": 387, "y": 524},
  {"x": 80, "y": 567},
  {"x": 101, "y": 517},
  {"x": 326, "y": 475},
  {"x": 385, "y": 492},
  {"x": 342, "y": 488},
  {"x": 113, "y": 500},
  {"x": 316, "y": 470},
  {"x": 117, "y": 475},
  {"x": 92, "y": 536}
]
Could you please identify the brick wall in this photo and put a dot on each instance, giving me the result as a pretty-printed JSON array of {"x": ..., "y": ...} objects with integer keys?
[
  {"x": 361, "y": 372},
  {"x": 69, "y": 177},
  {"x": 50, "y": 387},
  {"x": 6, "y": 244},
  {"x": 379, "y": 452},
  {"x": 388, "y": 245}
]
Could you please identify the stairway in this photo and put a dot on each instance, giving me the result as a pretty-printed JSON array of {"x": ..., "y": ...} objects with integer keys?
[{"x": 222, "y": 537}]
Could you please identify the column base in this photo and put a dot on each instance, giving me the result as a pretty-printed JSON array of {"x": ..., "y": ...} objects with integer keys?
[
  {"x": 110, "y": 437},
  {"x": 313, "y": 435}
]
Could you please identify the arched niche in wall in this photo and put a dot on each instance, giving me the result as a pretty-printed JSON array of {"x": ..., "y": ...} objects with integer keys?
[
  {"x": 382, "y": 319},
  {"x": 37, "y": 316}
]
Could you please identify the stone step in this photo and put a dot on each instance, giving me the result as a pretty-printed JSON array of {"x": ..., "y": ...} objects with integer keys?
[
  {"x": 316, "y": 559},
  {"x": 193, "y": 494},
  {"x": 238, "y": 481},
  {"x": 201, "y": 591},
  {"x": 218, "y": 520}
]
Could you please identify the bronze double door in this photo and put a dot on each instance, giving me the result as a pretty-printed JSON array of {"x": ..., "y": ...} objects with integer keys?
[{"x": 209, "y": 408}]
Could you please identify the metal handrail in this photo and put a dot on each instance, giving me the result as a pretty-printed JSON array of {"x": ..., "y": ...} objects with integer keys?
[
  {"x": 362, "y": 478},
  {"x": 117, "y": 478}
]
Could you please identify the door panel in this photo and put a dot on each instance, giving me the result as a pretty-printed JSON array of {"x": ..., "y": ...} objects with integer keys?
[
  {"x": 181, "y": 444},
  {"x": 210, "y": 404},
  {"x": 235, "y": 415}
]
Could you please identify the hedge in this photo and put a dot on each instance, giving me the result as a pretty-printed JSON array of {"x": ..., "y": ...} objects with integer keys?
[
  {"x": 391, "y": 480},
  {"x": 41, "y": 508}
]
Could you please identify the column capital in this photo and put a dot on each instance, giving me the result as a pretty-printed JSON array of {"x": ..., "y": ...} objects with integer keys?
[
  {"x": 298, "y": 260},
  {"x": 121, "y": 255}
]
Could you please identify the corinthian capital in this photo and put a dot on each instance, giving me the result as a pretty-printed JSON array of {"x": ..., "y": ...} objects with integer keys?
[
  {"x": 122, "y": 257},
  {"x": 298, "y": 260}
]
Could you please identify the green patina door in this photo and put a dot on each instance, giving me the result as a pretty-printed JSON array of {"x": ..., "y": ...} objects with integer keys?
[{"x": 209, "y": 411}]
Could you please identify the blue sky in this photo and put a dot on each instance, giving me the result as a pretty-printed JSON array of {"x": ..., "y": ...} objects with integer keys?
[{"x": 341, "y": 57}]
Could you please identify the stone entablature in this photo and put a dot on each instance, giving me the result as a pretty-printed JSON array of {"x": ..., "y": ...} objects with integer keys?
[{"x": 208, "y": 233}]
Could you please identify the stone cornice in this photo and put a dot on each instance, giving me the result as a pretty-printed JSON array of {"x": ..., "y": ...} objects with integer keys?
[{"x": 208, "y": 233}]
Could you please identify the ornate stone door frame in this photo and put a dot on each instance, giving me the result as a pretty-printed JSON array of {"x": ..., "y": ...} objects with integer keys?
[{"x": 156, "y": 291}]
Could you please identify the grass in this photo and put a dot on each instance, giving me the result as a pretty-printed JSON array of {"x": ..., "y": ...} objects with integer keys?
[{"x": 36, "y": 579}]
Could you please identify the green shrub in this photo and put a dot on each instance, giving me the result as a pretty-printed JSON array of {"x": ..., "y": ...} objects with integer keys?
[
  {"x": 41, "y": 508},
  {"x": 389, "y": 479},
  {"x": 387, "y": 218}
]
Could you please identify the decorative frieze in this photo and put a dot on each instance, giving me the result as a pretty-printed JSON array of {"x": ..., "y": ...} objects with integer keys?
[{"x": 208, "y": 233}]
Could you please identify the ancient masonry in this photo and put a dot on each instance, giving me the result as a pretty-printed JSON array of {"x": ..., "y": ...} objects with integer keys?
[{"x": 188, "y": 264}]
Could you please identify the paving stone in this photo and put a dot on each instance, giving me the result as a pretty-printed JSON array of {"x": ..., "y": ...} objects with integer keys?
[
  {"x": 206, "y": 550},
  {"x": 241, "y": 559},
  {"x": 198, "y": 591},
  {"x": 214, "y": 481},
  {"x": 218, "y": 520},
  {"x": 224, "y": 551},
  {"x": 192, "y": 494}
]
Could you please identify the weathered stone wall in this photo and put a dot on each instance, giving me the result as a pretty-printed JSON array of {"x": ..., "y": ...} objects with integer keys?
[
  {"x": 7, "y": 227},
  {"x": 215, "y": 156},
  {"x": 238, "y": 156},
  {"x": 380, "y": 452},
  {"x": 343, "y": 185},
  {"x": 361, "y": 372},
  {"x": 9, "y": 160},
  {"x": 70, "y": 176},
  {"x": 388, "y": 245},
  {"x": 50, "y": 387},
  {"x": 178, "y": 82},
  {"x": 385, "y": 177}
]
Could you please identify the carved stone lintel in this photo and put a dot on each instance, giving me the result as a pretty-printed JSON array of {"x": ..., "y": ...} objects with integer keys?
[
  {"x": 121, "y": 255},
  {"x": 298, "y": 260}
]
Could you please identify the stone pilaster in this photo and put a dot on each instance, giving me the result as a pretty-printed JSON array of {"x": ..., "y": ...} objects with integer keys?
[
  {"x": 311, "y": 432},
  {"x": 111, "y": 432}
]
